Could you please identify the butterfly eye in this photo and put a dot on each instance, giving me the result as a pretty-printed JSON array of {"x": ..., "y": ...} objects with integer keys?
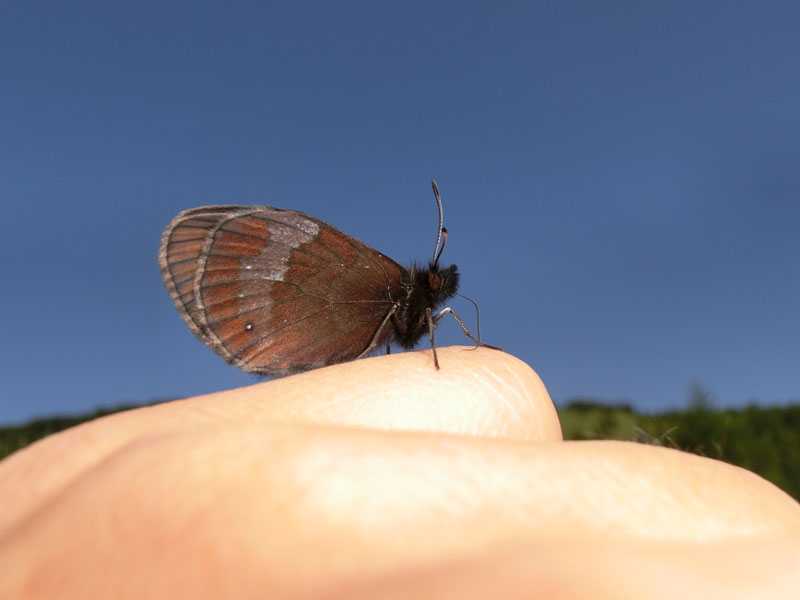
[{"x": 434, "y": 281}]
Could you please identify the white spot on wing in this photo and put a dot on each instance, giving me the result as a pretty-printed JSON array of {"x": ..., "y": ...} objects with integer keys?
[
  {"x": 293, "y": 233},
  {"x": 276, "y": 274},
  {"x": 296, "y": 233}
]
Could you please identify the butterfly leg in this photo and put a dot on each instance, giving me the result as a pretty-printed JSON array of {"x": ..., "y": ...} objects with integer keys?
[
  {"x": 446, "y": 310},
  {"x": 431, "y": 322},
  {"x": 378, "y": 334}
]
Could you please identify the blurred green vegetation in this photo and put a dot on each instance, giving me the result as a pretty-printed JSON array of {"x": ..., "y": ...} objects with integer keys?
[
  {"x": 16, "y": 437},
  {"x": 763, "y": 439}
]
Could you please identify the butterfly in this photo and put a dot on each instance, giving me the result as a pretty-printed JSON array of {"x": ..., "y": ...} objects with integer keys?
[{"x": 277, "y": 291}]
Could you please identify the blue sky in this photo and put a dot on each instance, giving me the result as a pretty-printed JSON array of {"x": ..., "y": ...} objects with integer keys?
[{"x": 620, "y": 180}]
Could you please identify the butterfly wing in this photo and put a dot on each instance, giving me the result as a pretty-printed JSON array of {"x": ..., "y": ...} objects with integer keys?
[{"x": 276, "y": 291}]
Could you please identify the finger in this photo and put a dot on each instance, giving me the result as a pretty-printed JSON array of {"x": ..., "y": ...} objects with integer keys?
[
  {"x": 730, "y": 570},
  {"x": 345, "y": 503},
  {"x": 476, "y": 392}
]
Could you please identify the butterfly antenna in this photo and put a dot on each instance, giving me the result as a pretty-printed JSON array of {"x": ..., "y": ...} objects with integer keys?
[{"x": 442, "y": 232}]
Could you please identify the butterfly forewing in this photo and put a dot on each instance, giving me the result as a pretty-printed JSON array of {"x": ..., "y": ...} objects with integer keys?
[{"x": 276, "y": 291}]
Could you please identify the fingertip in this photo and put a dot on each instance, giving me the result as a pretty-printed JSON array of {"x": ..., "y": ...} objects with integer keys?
[{"x": 477, "y": 391}]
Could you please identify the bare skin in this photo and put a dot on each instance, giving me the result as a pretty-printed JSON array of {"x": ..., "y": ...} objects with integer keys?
[{"x": 383, "y": 478}]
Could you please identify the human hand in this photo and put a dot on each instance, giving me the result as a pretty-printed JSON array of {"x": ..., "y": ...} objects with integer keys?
[{"x": 383, "y": 478}]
